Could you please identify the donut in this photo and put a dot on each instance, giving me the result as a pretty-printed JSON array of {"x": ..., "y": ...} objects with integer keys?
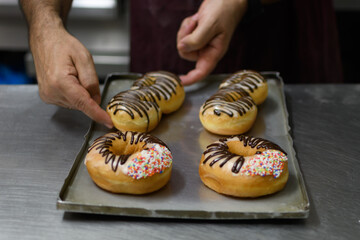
[
  {"x": 129, "y": 162},
  {"x": 141, "y": 107},
  {"x": 250, "y": 81},
  {"x": 228, "y": 112},
  {"x": 232, "y": 110},
  {"x": 244, "y": 166}
]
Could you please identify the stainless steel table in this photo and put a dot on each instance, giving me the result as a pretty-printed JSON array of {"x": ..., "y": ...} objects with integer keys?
[{"x": 39, "y": 142}]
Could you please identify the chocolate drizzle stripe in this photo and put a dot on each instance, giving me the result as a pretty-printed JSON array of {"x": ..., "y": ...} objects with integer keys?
[
  {"x": 233, "y": 91},
  {"x": 104, "y": 144},
  {"x": 241, "y": 106},
  {"x": 238, "y": 164},
  {"x": 145, "y": 94},
  {"x": 219, "y": 151},
  {"x": 227, "y": 158},
  {"x": 249, "y": 80}
]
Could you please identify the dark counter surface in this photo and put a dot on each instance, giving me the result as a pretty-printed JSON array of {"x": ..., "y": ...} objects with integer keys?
[{"x": 38, "y": 144}]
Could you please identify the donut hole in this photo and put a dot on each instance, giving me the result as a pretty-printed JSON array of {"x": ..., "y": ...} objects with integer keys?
[
  {"x": 120, "y": 147},
  {"x": 238, "y": 148}
]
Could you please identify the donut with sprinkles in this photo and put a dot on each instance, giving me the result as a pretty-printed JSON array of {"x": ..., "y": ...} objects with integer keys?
[
  {"x": 244, "y": 166},
  {"x": 129, "y": 162}
]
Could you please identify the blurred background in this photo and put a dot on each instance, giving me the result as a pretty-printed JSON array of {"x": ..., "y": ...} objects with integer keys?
[{"x": 103, "y": 27}]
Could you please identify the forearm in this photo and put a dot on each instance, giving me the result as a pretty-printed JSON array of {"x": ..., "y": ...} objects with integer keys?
[
  {"x": 45, "y": 13},
  {"x": 43, "y": 18}
]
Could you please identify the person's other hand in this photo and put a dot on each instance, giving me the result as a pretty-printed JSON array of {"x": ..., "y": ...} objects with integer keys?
[
  {"x": 66, "y": 74},
  {"x": 205, "y": 36}
]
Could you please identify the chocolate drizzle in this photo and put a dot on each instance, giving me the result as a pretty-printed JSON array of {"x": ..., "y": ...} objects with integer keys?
[
  {"x": 247, "y": 80},
  {"x": 145, "y": 94},
  {"x": 104, "y": 144},
  {"x": 160, "y": 84},
  {"x": 234, "y": 94},
  {"x": 219, "y": 151},
  {"x": 228, "y": 101}
]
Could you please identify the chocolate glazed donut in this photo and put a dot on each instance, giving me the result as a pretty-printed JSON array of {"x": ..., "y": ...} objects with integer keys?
[
  {"x": 244, "y": 166},
  {"x": 140, "y": 108},
  {"x": 250, "y": 81},
  {"x": 129, "y": 162},
  {"x": 229, "y": 101},
  {"x": 105, "y": 144},
  {"x": 219, "y": 151},
  {"x": 233, "y": 109}
]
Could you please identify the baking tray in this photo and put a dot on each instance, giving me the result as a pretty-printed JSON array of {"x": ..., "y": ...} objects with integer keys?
[{"x": 185, "y": 196}]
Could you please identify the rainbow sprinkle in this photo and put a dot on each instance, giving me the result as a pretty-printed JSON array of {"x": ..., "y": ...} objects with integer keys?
[
  {"x": 149, "y": 161},
  {"x": 270, "y": 162}
]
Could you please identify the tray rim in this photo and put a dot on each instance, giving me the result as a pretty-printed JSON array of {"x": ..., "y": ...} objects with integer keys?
[{"x": 62, "y": 204}]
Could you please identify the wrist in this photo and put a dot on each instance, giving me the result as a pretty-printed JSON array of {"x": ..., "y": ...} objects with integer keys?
[
  {"x": 43, "y": 27},
  {"x": 45, "y": 20},
  {"x": 42, "y": 17}
]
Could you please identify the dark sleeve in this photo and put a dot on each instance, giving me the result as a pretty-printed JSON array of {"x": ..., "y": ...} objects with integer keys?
[{"x": 298, "y": 38}]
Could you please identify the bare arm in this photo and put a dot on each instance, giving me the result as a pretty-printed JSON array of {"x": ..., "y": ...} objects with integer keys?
[
  {"x": 37, "y": 11},
  {"x": 64, "y": 67}
]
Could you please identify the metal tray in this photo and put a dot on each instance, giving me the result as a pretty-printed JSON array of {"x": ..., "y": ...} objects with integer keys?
[{"x": 185, "y": 196}]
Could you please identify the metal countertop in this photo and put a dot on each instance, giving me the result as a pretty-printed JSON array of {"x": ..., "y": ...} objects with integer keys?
[{"x": 325, "y": 122}]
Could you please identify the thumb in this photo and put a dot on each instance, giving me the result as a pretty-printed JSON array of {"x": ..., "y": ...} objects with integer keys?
[{"x": 199, "y": 38}]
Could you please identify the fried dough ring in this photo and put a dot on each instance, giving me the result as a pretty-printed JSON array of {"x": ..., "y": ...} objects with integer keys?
[
  {"x": 140, "y": 108},
  {"x": 129, "y": 162},
  {"x": 244, "y": 166}
]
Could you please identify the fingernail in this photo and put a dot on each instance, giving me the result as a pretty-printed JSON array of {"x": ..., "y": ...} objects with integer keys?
[
  {"x": 183, "y": 80},
  {"x": 184, "y": 47},
  {"x": 108, "y": 125}
]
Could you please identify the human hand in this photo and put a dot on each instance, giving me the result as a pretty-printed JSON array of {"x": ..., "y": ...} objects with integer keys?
[
  {"x": 66, "y": 73},
  {"x": 205, "y": 36}
]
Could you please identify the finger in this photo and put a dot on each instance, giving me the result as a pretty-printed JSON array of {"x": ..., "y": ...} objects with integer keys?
[
  {"x": 190, "y": 56},
  {"x": 199, "y": 38},
  {"x": 87, "y": 76},
  {"x": 204, "y": 66},
  {"x": 187, "y": 26},
  {"x": 95, "y": 112},
  {"x": 80, "y": 99}
]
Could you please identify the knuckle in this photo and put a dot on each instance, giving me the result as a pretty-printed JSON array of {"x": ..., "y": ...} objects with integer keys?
[
  {"x": 85, "y": 55},
  {"x": 185, "y": 21},
  {"x": 90, "y": 85},
  {"x": 68, "y": 70}
]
